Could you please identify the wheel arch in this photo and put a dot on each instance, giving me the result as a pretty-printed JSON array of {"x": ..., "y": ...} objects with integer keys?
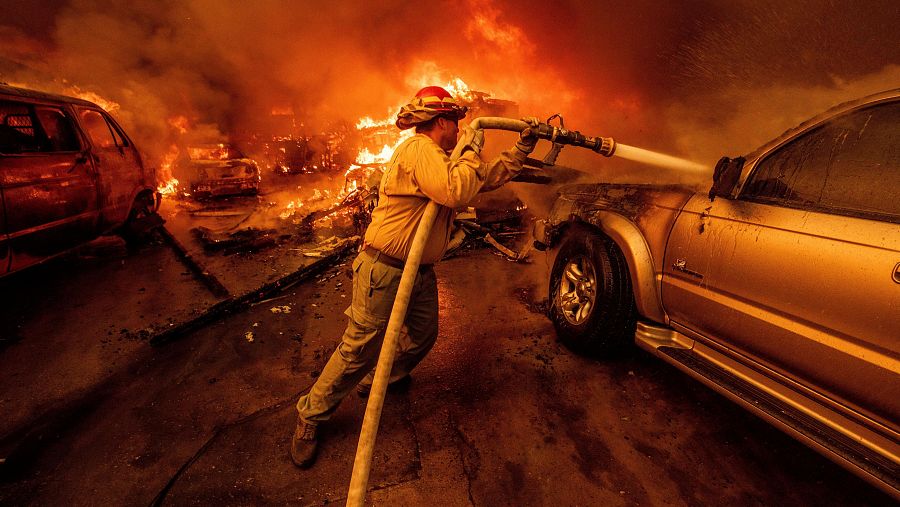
[
  {"x": 141, "y": 191},
  {"x": 628, "y": 238}
]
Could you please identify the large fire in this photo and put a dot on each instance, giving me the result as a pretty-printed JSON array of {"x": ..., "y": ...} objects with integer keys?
[
  {"x": 370, "y": 159},
  {"x": 380, "y": 139},
  {"x": 366, "y": 157}
]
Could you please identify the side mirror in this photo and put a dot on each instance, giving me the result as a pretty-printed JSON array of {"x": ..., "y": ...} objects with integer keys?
[{"x": 725, "y": 177}]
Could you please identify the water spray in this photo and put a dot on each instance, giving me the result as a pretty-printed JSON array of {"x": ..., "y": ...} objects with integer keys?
[
  {"x": 606, "y": 146},
  {"x": 559, "y": 136},
  {"x": 658, "y": 159}
]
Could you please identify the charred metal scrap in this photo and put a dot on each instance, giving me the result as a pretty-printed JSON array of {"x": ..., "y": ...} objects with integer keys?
[{"x": 243, "y": 240}]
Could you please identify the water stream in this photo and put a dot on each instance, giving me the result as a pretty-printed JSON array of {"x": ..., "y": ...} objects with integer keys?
[{"x": 658, "y": 159}]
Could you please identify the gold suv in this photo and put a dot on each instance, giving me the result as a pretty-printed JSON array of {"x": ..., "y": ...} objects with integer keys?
[{"x": 780, "y": 288}]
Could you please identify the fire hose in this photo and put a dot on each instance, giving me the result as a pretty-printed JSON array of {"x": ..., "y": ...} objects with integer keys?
[{"x": 362, "y": 464}]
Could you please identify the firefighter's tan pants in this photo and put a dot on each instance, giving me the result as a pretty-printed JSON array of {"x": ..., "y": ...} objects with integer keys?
[{"x": 374, "y": 288}]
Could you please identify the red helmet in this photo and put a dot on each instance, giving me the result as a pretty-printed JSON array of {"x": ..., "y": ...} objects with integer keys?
[
  {"x": 439, "y": 99},
  {"x": 428, "y": 103}
]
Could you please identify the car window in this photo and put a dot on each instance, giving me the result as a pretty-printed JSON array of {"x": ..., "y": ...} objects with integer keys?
[
  {"x": 57, "y": 126},
  {"x": 98, "y": 129},
  {"x": 850, "y": 166},
  {"x": 120, "y": 138},
  {"x": 25, "y": 128}
]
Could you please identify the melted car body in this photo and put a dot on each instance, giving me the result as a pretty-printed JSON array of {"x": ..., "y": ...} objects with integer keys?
[{"x": 218, "y": 170}]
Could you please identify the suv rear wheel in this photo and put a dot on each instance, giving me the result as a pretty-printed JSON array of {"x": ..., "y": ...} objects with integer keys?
[{"x": 591, "y": 301}]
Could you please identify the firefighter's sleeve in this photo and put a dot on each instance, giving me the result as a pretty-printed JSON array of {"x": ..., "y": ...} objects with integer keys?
[
  {"x": 502, "y": 169},
  {"x": 450, "y": 183}
]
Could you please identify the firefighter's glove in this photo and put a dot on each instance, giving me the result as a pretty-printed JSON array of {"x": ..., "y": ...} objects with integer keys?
[
  {"x": 528, "y": 138},
  {"x": 472, "y": 139}
]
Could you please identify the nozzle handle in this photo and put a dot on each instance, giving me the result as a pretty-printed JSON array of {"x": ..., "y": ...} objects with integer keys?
[{"x": 605, "y": 146}]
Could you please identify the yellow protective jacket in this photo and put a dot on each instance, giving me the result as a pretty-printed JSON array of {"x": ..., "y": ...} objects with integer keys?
[{"x": 420, "y": 171}]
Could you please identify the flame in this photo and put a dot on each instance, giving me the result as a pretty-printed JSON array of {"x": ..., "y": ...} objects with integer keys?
[
  {"x": 430, "y": 75},
  {"x": 367, "y": 122},
  {"x": 368, "y": 159},
  {"x": 459, "y": 89},
  {"x": 218, "y": 151},
  {"x": 169, "y": 184},
  {"x": 169, "y": 187},
  {"x": 108, "y": 105},
  {"x": 292, "y": 207}
]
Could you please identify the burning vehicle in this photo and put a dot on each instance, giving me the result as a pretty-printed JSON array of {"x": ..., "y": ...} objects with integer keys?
[
  {"x": 291, "y": 156},
  {"x": 779, "y": 288},
  {"x": 68, "y": 174},
  {"x": 215, "y": 170}
]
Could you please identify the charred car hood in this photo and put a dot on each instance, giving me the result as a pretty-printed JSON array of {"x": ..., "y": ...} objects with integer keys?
[{"x": 629, "y": 200}]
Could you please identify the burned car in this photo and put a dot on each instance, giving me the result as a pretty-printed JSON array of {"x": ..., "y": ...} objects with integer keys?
[
  {"x": 292, "y": 156},
  {"x": 779, "y": 288},
  {"x": 218, "y": 170},
  {"x": 68, "y": 173}
]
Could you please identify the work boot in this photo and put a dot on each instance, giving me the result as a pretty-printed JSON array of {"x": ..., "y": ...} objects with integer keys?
[
  {"x": 400, "y": 385},
  {"x": 304, "y": 444}
]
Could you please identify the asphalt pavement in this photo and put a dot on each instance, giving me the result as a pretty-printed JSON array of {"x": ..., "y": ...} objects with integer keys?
[{"x": 498, "y": 414}]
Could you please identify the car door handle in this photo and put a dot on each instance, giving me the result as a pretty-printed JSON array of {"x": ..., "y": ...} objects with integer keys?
[
  {"x": 83, "y": 158},
  {"x": 897, "y": 273},
  {"x": 681, "y": 265}
]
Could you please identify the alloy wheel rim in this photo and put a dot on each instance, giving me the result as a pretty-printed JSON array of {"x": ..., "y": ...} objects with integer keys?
[{"x": 577, "y": 292}]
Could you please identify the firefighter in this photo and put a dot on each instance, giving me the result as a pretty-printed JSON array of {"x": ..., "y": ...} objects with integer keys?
[{"x": 419, "y": 171}]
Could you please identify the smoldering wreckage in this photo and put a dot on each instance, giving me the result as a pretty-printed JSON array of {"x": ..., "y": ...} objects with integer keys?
[{"x": 329, "y": 219}]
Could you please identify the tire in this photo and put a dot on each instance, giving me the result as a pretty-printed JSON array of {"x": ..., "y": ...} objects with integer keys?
[
  {"x": 142, "y": 208},
  {"x": 591, "y": 300}
]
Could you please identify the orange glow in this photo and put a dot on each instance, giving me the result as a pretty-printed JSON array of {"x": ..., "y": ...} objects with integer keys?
[
  {"x": 384, "y": 156},
  {"x": 426, "y": 77},
  {"x": 168, "y": 185},
  {"x": 368, "y": 160},
  {"x": 282, "y": 111},
  {"x": 485, "y": 24},
  {"x": 107, "y": 105},
  {"x": 212, "y": 152},
  {"x": 291, "y": 208},
  {"x": 367, "y": 122},
  {"x": 180, "y": 123}
]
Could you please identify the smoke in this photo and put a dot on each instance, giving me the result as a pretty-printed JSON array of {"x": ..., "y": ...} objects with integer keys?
[{"x": 694, "y": 79}]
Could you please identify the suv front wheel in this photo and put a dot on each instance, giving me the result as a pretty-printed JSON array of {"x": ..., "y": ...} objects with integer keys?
[{"x": 591, "y": 301}]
